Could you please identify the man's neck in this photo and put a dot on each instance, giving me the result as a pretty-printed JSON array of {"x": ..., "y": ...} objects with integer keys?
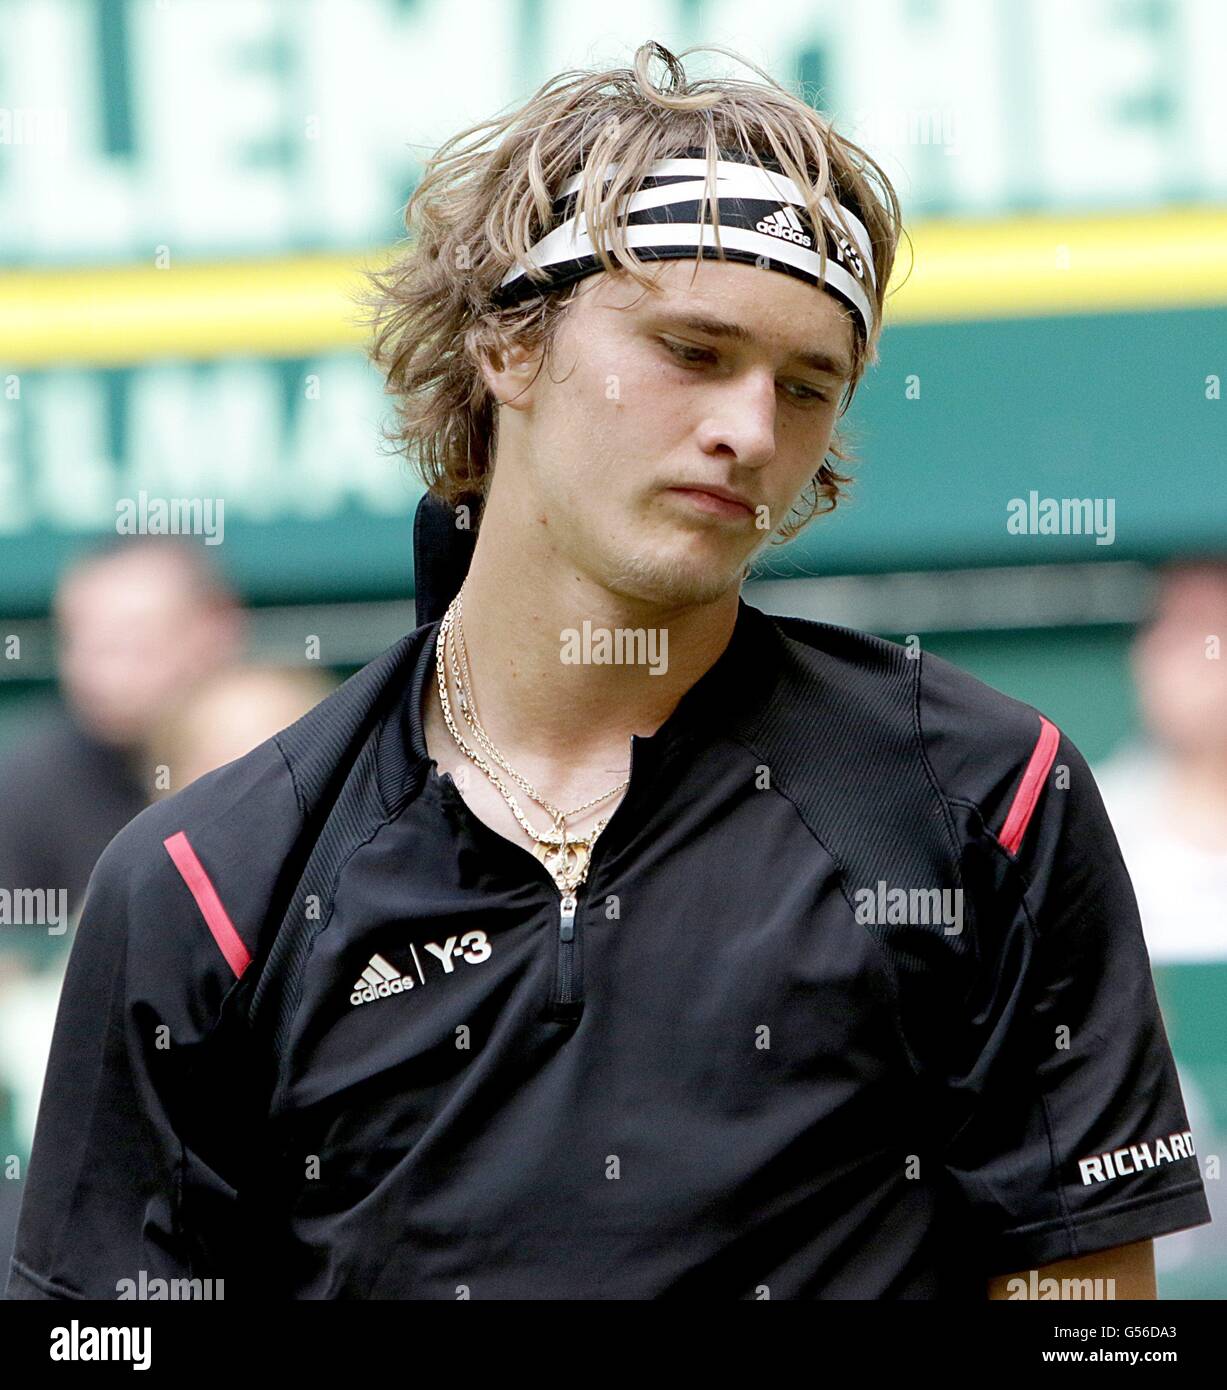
[{"x": 555, "y": 713}]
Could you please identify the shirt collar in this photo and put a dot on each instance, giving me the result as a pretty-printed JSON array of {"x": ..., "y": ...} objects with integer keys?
[{"x": 729, "y": 695}]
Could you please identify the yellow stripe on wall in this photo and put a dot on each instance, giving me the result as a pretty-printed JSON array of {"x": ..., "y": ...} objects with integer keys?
[
  {"x": 118, "y": 315},
  {"x": 1028, "y": 266},
  {"x": 302, "y": 306}
]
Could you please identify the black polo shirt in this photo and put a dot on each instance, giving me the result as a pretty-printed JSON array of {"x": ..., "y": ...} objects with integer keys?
[{"x": 854, "y": 1004}]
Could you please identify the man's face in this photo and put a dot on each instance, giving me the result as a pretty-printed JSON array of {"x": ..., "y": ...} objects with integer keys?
[
  {"x": 726, "y": 377},
  {"x": 134, "y": 635},
  {"x": 1182, "y": 689}
]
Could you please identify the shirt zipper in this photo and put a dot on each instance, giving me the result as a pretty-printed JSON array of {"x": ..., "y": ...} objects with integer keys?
[
  {"x": 566, "y": 948},
  {"x": 566, "y": 1001}
]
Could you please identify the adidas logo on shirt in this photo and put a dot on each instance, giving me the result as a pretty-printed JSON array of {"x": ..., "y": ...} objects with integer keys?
[
  {"x": 786, "y": 225},
  {"x": 378, "y": 980},
  {"x": 381, "y": 978}
]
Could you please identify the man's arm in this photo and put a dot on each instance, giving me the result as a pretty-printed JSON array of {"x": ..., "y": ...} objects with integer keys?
[
  {"x": 143, "y": 1122},
  {"x": 1131, "y": 1266},
  {"x": 1060, "y": 1058}
]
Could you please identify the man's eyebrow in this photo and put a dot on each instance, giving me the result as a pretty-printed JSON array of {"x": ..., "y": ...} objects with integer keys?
[{"x": 714, "y": 327}]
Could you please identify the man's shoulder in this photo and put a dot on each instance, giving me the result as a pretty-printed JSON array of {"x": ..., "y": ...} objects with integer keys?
[
  {"x": 902, "y": 678},
  {"x": 252, "y": 793},
  {"x": 971, "y": 740}
]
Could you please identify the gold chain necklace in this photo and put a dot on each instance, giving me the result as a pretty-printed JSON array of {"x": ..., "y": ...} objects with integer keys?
[
  {"x": 468, "y": 707},
  {"x": 566, "y": 858}
]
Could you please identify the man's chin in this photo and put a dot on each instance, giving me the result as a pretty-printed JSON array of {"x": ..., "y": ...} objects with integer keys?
[{"x": 674, "y": 581}]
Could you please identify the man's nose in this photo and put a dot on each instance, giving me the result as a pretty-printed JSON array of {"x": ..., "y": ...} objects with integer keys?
[{"x": 742, "y": 420}]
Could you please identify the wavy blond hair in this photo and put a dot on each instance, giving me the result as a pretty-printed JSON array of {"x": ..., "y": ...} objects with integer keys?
[{"x": 486, "y": 196}]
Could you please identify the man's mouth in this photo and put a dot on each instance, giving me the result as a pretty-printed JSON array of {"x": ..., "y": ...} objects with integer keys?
[{"x": 715, "y": 502}]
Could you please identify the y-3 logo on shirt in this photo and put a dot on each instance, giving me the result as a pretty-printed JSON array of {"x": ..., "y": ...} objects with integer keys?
[{"x": 381, "y": 978}]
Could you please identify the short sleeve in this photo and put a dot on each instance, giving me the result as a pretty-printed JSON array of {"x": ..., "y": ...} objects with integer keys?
[
  {"x": 131, "y": 1174},
  {"x": 1078, "y": 1140}
]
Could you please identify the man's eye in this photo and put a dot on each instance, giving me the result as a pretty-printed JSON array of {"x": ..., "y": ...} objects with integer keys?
[
  {"x": 807, "y": 393},
  {"x": 689, "y": 353}
]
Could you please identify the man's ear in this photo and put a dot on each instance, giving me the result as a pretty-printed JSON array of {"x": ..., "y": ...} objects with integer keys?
[{"x": 509, "y": 368}]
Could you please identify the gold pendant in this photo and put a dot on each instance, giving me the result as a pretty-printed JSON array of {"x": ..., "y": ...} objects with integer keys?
[{"x": 570, "y": 858}]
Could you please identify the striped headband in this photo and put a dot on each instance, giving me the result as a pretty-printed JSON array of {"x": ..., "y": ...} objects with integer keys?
[{"x": 665, "y": 220}]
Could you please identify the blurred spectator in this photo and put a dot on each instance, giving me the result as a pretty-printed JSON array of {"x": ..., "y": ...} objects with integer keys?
[
  {"x": 226, "y": 715},
  {"x": 1166, "y": 794},
  {"x": 218, "y": 717},
  {"x": 222, "y": 717},
  {"x": 138, "y": 624}
]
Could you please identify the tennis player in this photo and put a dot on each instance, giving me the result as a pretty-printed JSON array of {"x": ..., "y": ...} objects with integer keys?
[{"x": 606, "y": 937}]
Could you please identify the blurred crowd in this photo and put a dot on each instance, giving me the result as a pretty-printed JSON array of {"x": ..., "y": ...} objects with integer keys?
[
  {"x": 1166, "y": 795},
  {"x": 155, "y": 690},
  {"x": 1166, "y": 792}
]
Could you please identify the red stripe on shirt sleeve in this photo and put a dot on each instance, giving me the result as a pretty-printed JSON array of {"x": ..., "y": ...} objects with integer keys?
[
  {"x": 1028, "y": 794},
  {"x": 201, "y": 888}
]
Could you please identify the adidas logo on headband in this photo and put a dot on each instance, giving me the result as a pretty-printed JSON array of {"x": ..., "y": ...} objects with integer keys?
[
  {"x": 786, "y": 224},
  {"x": 669, "y": 217}
]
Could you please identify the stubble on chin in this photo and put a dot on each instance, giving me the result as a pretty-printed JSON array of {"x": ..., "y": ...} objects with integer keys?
[{"x": 660, "y": 577}]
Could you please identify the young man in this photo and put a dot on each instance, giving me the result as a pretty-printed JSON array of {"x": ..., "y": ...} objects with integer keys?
[{"x": 604, "y": 937}]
